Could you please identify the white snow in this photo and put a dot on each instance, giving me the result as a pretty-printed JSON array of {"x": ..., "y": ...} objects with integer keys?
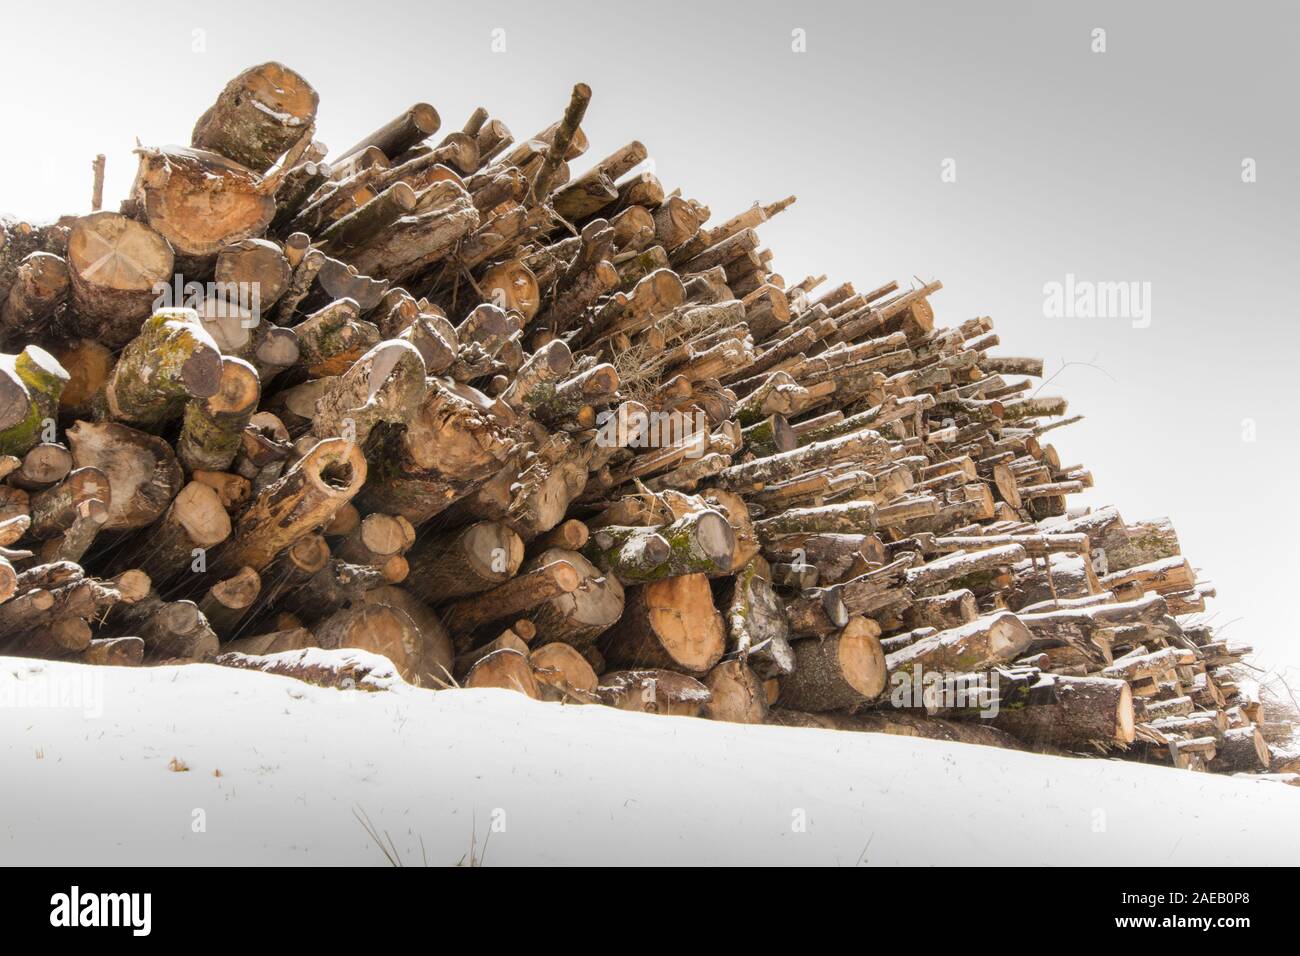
[{"x": 84, "y": 779}]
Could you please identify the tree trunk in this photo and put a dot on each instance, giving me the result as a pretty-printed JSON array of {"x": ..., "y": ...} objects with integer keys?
[
  {"x": 466, "y": 561},
  {"x": 258, "y": 116},
  {"x": 1073, "y": 712},
  {"x": 143, "y": 474},
  {"x": 839, "y": 671},
  {"x": 115, "y": 265},
  {"x": 669, "y": 624},
  {"x": 308, "y": 495}
]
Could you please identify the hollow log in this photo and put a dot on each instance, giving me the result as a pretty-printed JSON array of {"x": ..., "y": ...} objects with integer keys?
[{"x": 305, "y": 498}]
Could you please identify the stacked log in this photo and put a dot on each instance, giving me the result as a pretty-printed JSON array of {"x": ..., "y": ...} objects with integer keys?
[{"x": 450, "y": 400}]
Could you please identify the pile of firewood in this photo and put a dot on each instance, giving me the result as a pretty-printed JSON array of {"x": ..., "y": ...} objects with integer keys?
[{"x": 514, "y": 420}]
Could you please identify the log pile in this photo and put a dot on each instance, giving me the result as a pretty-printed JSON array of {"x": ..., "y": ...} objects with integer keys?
[{"x": 512, "y": 418}]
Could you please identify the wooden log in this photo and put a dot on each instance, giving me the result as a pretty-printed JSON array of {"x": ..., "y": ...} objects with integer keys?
[
  {"x": 518, "y": 595},
  {"x": 465, "y": 561},
  {"x": 340, "y": 671},
  {"x": 172, "y": 360},
  {"x": 55, "y": 510},
  {"x": 213, "y": 426},
  {"x": 305, "y": 498},
  {"x": 506, "y": 669},
  {"x": 228, "y": 601},
  {"x": 170, "y": 630},
  {"x": 579, "y": 616},
  {"x": 200, "y": 201},
  {"x": 563, "y": 674},
  {"x": 1073, "y": 712},
  {"x": 378, "y": 628},
  {"x": 406, "y": 130},
  {"x": 651, "y": 691},
  {"x": 178, "y": 542},
  {"x": 257, "y": 116},
  {"x": 837, "y": 671},
  {"x": 451, "y": 443},
  {"x": 43, "y": 465},
  {"x": 39, "y": 290},
  {"x": 969, "y": 647},
  {"x": 735, "y": 694},
  {"x": 31, "y": 384},
  {"x": 114, "y": 652},
  {"x": 902, "y": 724},
  {"x": 669, "y": 624},
  {"x": 381, "y": 386},
  {"x": 508, "y": 639},
  {"x": 143, "y": 474},
  {"x": 698, "y": 543},
  {"x": 757, "y": 629},
  {"x": 1241, "y": 749},
  {"x": 115, "y": 268},
  {"x": 434, "y": 661},
  {"x": 942, "y": 611},
  {"x": 272, "y": 642}
]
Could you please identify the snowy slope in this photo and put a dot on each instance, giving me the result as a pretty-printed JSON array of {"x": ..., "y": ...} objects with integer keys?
[{"x": 88, "y": 782}]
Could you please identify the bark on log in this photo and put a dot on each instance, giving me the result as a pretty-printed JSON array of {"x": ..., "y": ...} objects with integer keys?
[
  {"x": 213, "y": 426},
  {"x": 669, "y": 624},
  {"x": 304, "y": 499},
  {"x": 257, "y": 116},
  {"x": 200, "y": 201},
  {"x": 142, "y": 471},
  {"x": 653, "y": 692},
  {"x": 698, "y": 543},
  {"x": 466, "y": 561},
  {"x": 172, "y": 360},
  {"x": 838, "y": 671},
  {"x": 1073, "y": 712}
]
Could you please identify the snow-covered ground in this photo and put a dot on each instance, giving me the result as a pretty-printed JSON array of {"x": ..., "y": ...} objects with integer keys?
[{"x": 280, "y": 772}]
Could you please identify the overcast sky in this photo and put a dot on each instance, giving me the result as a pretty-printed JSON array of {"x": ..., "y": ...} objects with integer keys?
[{"x": 1123, "y": 165}]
